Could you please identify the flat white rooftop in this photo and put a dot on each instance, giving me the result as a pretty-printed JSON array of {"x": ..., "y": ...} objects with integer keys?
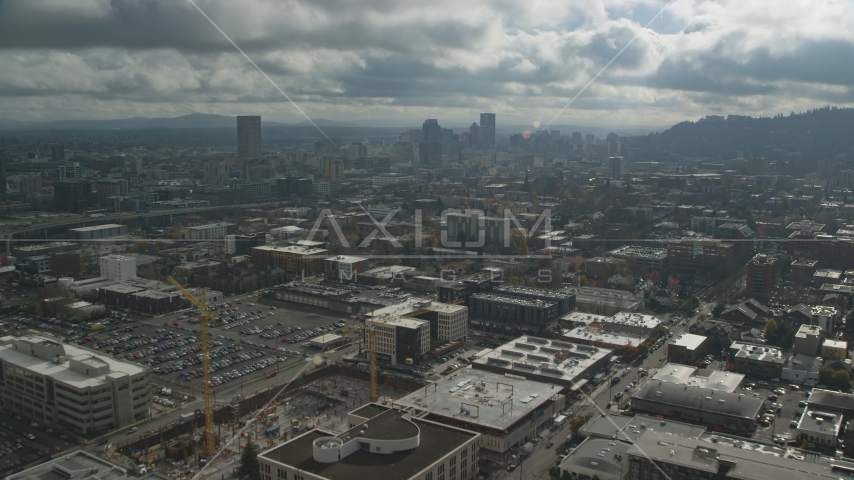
[
  {"x": 559, "y": 360},
  {"x": 635, "y": 320},
  {"x": 480, "y": 398},
  {"x": 689, "y": 341},
  {"x": 96, "y": 227},
  {"x": 585, "y": 318},
  {"x": 61, "y": 371},
  {"x": 588, "y": 333},
  {"x": 685, "y": 375}
]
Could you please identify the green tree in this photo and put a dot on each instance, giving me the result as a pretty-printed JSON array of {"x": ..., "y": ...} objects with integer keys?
[
  {"x": 250, "y": 468},
  {"x": 770, "y": 326},
  {"x": 718, "y": 310},
  {"x": 825, "y": 374},
  {"x": 841, "y": 378}
]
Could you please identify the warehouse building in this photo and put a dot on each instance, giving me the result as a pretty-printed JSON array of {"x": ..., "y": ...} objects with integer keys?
[
  {"x": 70, "y": 387},
  {"x": 549, "y": 361},
  {"x": 565, "y": 298},
  {"x": 653, "y": 457},
  {"x": 98, "y": 231},
  {"x": 526, "y": 314},
  {"x": 505, "y": 410},
  {"x": 382, "y": 443},
  {"x": 732, "y": 411}
]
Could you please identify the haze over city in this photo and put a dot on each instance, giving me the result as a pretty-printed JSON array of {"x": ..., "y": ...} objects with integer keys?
[
  {"x": 392, "y": 240},
  {"x": 405, "y": 61}
]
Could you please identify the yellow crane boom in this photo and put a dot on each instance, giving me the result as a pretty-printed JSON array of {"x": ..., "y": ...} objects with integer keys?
[{"x": 206, "y": 316}]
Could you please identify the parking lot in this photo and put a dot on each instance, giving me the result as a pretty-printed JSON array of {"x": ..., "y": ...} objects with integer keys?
[
  {"x": 23, "y": 442},
  {"x": 781, "y": 408}
]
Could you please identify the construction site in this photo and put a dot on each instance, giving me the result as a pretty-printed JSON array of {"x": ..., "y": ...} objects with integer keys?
[{"x": 211, "y": 437}]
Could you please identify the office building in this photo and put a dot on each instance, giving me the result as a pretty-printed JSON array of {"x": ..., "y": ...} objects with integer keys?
[
  {"x": 449, "y": 142},
  {"x": 473, "y": 229},
  {"x": 387, "y": 179},
  {"x": 3, "y": 177},
  {"x": 402, "y": 339},
  {"x": 215, "y": 174},
  {"x": 334, "y": 167},
  {"x": 457, "y": 400},
  {"x": 382, "y": 443},
  {"x": 294, "y": 186},
  {"x": 117, "y": 267},
  {"x": 243, "y": 244},
  {"x": 689, "y": 255},
  {"x": 597, "y": 458},
  {"x": 344, "y": 268},
  {"x": 430, "y": 147},
  {"x": 104, "y": 189},
  {"x": 300, "y": 259},
  {"x": 248, "y": 138},
  {"x": 210, "y": 231},
  {"x": 653, "y": 457},
  {"x": 78, "y": 465},
  {"x": 69, "y": 196},
  {"x": 254, "y": 192},
  {"x": 761, "y": 275},
  {"x": 760, "y": 360},
  {"x": 808, "y": 340},
  {"x": 447, "y": 322},
  {"x": 98, "y": 231},
  {"x": 486, "y": 131},
  {"x": 326, "y": 187},
  {"x": 220, "y": 196},
  {"x": 687, "y": 348},
  {"x": 616, "y": 167},
  {"x": 57, "y": 153},
  {"x": 565, "y": 298},
  {"x": 526, "y": 314},
  {"x": 642, "y": 259},
  {"x": 71, "y": 387},
  {"x": 834, "y": 350},
  {"x": 549, "y": 361},
  {"x": 735, "y": 412}
]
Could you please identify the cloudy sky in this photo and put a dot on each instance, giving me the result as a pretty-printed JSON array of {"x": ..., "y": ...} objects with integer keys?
[{"x": 409, "y": 60}]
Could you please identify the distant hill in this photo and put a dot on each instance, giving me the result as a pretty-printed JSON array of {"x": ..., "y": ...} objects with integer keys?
[
  {"x": 195, "y": 120},
  {"x": 814, "y": 133}
]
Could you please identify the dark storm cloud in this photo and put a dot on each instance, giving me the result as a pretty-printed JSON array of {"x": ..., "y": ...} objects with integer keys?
[{"x": 528, "y": 57}]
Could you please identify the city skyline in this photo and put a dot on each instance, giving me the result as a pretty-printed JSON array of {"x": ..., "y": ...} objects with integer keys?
[{"x": 93, "y": 60}]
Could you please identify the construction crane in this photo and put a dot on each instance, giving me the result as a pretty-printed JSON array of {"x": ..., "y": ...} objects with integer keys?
[
  {"x": 372, "y": 356},
  {"x": 205, "y": 317}
]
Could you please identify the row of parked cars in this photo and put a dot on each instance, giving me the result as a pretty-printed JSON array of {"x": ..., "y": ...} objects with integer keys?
[
  {"x": 245, "y": 370},
  {"x": 314, "y": 332}
]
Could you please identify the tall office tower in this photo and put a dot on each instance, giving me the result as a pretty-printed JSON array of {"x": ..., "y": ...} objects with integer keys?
[
  {"x": 3, "y": 175},
  {"x": 449, "y": 142},
  {"x": 430, "y": 148},
  {"x": 71, "y": 196},
  {"x": 474, "y": 133},
  {"x": 57, "y": 153},
  {"x": 248, "y": 138},
  {"x": 616, "y": 167},
  {"x": 487, "y": 130}
]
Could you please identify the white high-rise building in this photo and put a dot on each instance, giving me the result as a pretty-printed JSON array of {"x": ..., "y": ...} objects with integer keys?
[
  {"x": 206, "y": 232},
  {"x": 118, "y": 267}
]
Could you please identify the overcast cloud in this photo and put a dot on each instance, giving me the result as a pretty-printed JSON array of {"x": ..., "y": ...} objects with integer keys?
[{"x": 448, "y": 59}]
